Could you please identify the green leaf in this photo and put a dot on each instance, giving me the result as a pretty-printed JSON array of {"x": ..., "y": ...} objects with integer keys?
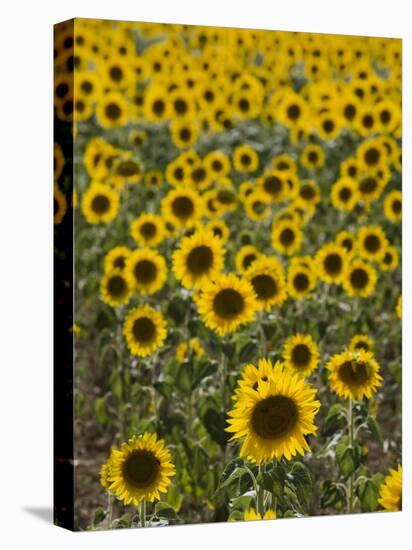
[
  {"x": 100, "y": 411},
  {"x": 331, "y": 495},
  {"x": 241, "y": 503},
  {"x": 163, "y": 510},
  {"x": 348, "y": 458},
  {"x": 99, "y": 515},
  {"x": 246, "y": 350},
  {"x": 236, "y": 515},
  {"x": 116, "y": 384},
  {"x": 368, "y": 495},
  {"x": 374, "y": 430},
  {"x": 299, "y": 477},
  {"x": 202, "y": 370},
  {"x": 124, "y": 522},
  {"x": 184, "y": 378},
  {"x": 215, "y": 422}
]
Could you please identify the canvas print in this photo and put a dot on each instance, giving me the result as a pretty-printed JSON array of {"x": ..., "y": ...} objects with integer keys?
[{"x": 227, "y": 210}]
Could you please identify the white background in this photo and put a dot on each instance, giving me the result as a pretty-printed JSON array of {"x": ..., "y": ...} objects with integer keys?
[{"x": 26, "y": 271}]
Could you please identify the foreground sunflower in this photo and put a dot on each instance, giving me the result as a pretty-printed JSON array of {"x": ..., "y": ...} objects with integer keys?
[
  {"x": 140, "y": 469},
  {"x": 275, "y": 418},
  {"x": 301, "y": 354},
  {"x": 226, "y": 303},
  {"x": 100, "y": 203},
  {"x": 144, "y": 330},
  {"x": 354, "y": 375},
  {"x": 360, "y": 279},
  {"x": 251, "y": 515},
  {"x": 268, "y": 280},
  {"x": 198, "y": 259},
  {"x": 390, "y": 492},
  {"x": 146, "y": 270},
  {"x": 114, "y": 288}
]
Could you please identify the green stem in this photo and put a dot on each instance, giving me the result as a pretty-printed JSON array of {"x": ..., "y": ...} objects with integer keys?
[
  {"x": 109, "y": 510},
  {"x": 351, "y": 439},
  {"x": 262, "y": 335},
  {"x": 142, "y": 513},
  {"x": 260, "y": 505}
]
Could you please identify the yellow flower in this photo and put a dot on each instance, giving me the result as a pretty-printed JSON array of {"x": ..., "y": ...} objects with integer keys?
[
  {"x": 184, "y": 132},
  {"x": 112, "y": 110},
  {"x": 390, "y": 492},
  {"x": 301, "y": 354},
  {"x": 399, "y": 307},
  {"x": 252, "y": 515},
  {"x": 144, "y": 330},
  {"x": 344, "y": 194},
  {"x": 183, "y": 207},
  {"x": 301, "y": 281},
  {"x": 217, "y": 163},
  {"x": 226, "y": 303},
  {"x": 148, "y": 230},
  {"x": 192, "y": 348},
  {"x": 309, "y": 194},
  {"x": 146, "y": 271},
  {"x": 274, "y": 185},
  {"x": 372, "y": 242},
  {"x": 354, "y": 375},
  {"x": 312, "y": 157},
  {"x": 331, "y": 262},
  {"x": 219, "y": 229},
  {"x": 245, "y": 257},
  {"x": 140, "y": 469},
  {"x": 392, "y": 206},
  {"x": 257, "y": 205},
  {"x": 346, "y": 239},
  {"x": 114, "y": 288},
  {"x": 116, "y": 258},
  {"x": 390, "y": 260},
  {"x": 198, "y": 259},
  {"x": 359, "y": 278},
  {"x": 371, "y": 154},
  {"x": 251, "y": 375},
  {"x": 361, "y": 342},
  {"x": 267, "y": 276},
  {"x": 100, "y": 203},
  {"x": 286, "y": 237},
  {"x": 245, "y": 159},
  {"x": 274, "y": 419}
]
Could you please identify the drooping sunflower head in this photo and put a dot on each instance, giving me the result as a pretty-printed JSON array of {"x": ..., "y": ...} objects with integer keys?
[
  {"x": 360, "y": 278},
  {"x": 354, "y": 375},
  {"x": 331, "y": 261},
  {"x": 227, "y": 302},
  {"x": 301, "y": 281},
  {"x": 116, "y": 258},
  {"x": 140, "y": 469},
  {"x": 148, "y": 230},
  {"x": 361, "y": 342},
  {"x": 372, "y": 242},
  {"x": 146, "y": 270},
  {"x": 268, "y": 280},
  {"x": 390, "y": 492},
  {"x": 198, "y": 259},
  {"x": 100, "y": 203},
  {"x": 274, "y": 420},
  {"x": 245, "y": 257},
  {"x": 183, "y": 207},
  {"x": 114, "y": 288},
  {"x": 286, "y": 237},
  {"x": 144, "y": 330},
  {"x": 301, "y": 354}
]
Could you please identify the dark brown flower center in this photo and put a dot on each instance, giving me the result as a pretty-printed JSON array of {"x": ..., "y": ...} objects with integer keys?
[
  {"x": 265, "y": 286},
  {"x": 301, "y": 356},
  {"x": 301, "y": 282},
  {"x": 359, "y": 278},
  {"x": 274, "y": 417},
  {"x": 183, "y": 207},
  {"x": 145, "y": 272},
  {"x": 144, "y": 330},
  {"x": 200, "y": 260},
  {"x": 333, "y": 264},
  {"x": 228, "y": 303},
  {"x": 141, "y": 468},
  {"x": 354, "y": 373},
  {"x": 100, "y": 204},
  {"x": 116, "y": 286}
]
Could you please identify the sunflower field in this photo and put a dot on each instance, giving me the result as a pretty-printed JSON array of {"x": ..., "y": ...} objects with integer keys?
[{"x": 236, "y": 201}]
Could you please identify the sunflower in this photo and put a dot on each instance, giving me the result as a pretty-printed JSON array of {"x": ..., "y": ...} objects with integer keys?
[
  {"x": 292, "y": 110},
  {"x": 301, "y": 281},
  {"x": 114, "y": 288},
  {"x": 354, "y": 375},
  {"x": 392, "y": 206},
  {"x": 226, "y": 303},
  {"x": 217, "y": 163},
  {"x": 146, "y": 270},
  {"x": 390, "y": 260},
  {"x": 301, "y": 354},
  {"x": 371, "y": 154},
  {"x": 245, "y": 159},
  {"x": 390, "y": 492},
  {"x": 116, "y": 258},
  {"x": 245, "y": 257},
  {"x": 245, "y": 189},
  {"x": 268, "y": 280},
  {"x": 370, "y": 187},
  {"x": 251, "y": 515},
  {"x": 329, "y": 126},
  {"x": 219, "y": 229},
  {"x": 183, "y": 207},
  {"x": 360, "y": 278},
  {"x": 398, "y": 307},
  {"x": 331, "y": 262},
  {"x": 345, "y": 194},
  {"x": 347, "y": 239},
  {"x": 308, "y": 194},
  {"x": 312, "y": 157},
  {"x": 148, "y": 230},
  {"x": 140, "y": 469},
  {"x": 112, "y": 110},
  {"x": 286, "y": 237},
  {"x": 59, "y": 205},
  {"x": 154, "y": 178},
  {"x": 145, "y": 330},
  {"x": 251, "y": 374},
  {"x": 372, "y": 243},
  {"x": 100, "y": 203},
  {"x": 274, "y": 185},
  {"x": 184, "y": 132},
  {"x": 275, "y": 418},
  {"x": 361, "y": 342},
  {"x": 156, "y": 106},
  {"x": 187, "y": 350},
  {"x": 257, "y": 205},
  {"x": 105, "y": 474},
  {"x": 199, "y": 258}
]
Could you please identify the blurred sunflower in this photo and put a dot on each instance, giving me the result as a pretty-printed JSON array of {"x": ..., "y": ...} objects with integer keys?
[
  {"x": 198, "y": 259},
  {"x": 140, "y": 469},
  {"x": 286, "y": 237},
  {"x": 245, "y": 257},
  {"x": 146, "y": 270},
  {"x": 183, "y": 207},
  {"x": 331, "y": 262},
  {"x": 345, "y": 194},
  {"x": 392, "y": 206},
  {"x": 268, "y": 280},
  {"x": 301, "y": 354},
  {"x": 116, "y": 258},
  {"x": 219, "y": 229},
  {"x": 347, "y": 239},
  {"x": 245, "y": 159},
  {"x": 301, "y": 281},
  {"x": 390, "y": 492},
  {"x": 59, "y": 205},
  {"x": 312, "y": 157},
  {"x": 372, "y": 242},
  {"x": 359, "y": 278},
  {"x": 390, "y": 260},
  {"x": 251, "y": 515},
  {"x": 144, "y": 330},
  {"x": 114, "y": 288},
  {"x": 100, "y": 203},
  {"x": 275, "y": 419},
  {"x": 112, "y": 110},
  {"x": 361, "y": 342},
  {"x": 148, "y": 230},
  {"x": 354, "y": 375},
  {"x": 226, "y": 303},
  {"x": 257, "y": 205},
  {"x": 187, "y": 350}
]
